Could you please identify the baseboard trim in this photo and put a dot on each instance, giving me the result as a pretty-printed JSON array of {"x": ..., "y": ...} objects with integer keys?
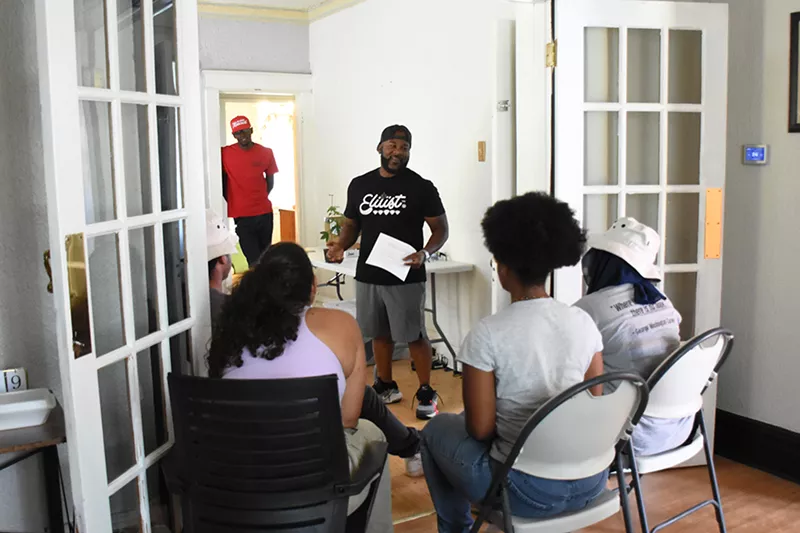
[{"x": 763, "y": 446}]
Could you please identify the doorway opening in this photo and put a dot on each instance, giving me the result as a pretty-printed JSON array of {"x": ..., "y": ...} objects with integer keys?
[{"x": 274, "y": 122}]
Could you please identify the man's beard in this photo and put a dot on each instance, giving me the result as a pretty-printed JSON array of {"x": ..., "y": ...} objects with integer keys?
[{"x": 387, "y": 168}]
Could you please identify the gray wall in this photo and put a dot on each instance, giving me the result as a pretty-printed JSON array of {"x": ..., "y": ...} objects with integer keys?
[
  {"x": 760, "y": 293},
  {"x": 27, "y": 315},
  {"x": 254, "y": 45}
]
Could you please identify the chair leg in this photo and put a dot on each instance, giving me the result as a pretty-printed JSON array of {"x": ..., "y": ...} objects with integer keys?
[
  {"x": 712, "y": 474},
  {"x": 623, "y": 493},
  {"x": 508, "y": 522},
  {"x": 636, "y": 484}
]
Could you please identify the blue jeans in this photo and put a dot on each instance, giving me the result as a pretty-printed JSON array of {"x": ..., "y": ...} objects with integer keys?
[{"x": 459, "y": 471}]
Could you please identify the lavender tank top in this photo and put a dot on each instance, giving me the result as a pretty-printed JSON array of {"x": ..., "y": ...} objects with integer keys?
[{"x": 303, "y": 358}]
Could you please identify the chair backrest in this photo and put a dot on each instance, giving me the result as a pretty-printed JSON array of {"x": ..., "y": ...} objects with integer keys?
[
  {"x": 260, "y": 452},
  {"x": 678, "y": 383},
  {"x": 575, "y": 434}
]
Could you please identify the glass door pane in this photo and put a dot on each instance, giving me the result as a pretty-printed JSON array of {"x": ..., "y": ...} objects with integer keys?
[
  {"x": 601, "y": 75},
  {"x": 681, "y": 289},
  {"x": 104, "y": 280},
  {"x": 643, "y": 148},
  {"x": 685, "y": 66},
  {"x": 683, "y": 167},
  {"x": 601, "y": 152},
  {"x": 644, "y": 208},
  {"x": 683, "y": 211},
  {"x": 117, "y": 424},
  {"x": 90, "y": 42},
  {"x": 130, "y": 31},
  {"x": 644, "y": 65},
  {"x": 126, "y": 514},
  {"x": 165, "y": 46},
  {"x": 599, "y": 212},
  {"x": 98, "y": 162}
]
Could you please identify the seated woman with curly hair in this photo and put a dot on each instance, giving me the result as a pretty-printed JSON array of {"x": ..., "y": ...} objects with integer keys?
[
  {"x": 267, "y": 330},
  {"x": 514, "y": 361}
]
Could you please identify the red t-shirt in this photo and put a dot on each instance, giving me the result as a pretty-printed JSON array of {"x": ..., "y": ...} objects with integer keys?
[{"x": 247, "y": 186}]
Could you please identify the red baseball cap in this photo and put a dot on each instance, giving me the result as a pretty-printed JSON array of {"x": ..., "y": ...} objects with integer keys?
[{"x": 240, "y": 123}]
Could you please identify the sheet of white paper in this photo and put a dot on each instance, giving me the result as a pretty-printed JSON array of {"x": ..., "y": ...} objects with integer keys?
[{"x": 388, "y": 254}]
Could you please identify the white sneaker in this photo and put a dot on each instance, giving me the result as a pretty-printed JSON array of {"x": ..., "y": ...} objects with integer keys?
[{"x": 414, "y": 466}]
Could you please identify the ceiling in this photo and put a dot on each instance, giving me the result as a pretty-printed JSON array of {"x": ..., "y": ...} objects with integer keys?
[{"x": 294, "y": 5}]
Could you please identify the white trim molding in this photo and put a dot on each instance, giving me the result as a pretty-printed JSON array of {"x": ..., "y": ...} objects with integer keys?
[
  {"x": 231, "y": 81},
  {"x": 219, "y": 8}
]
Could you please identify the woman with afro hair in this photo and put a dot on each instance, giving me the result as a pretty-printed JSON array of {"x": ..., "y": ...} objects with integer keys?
[{"x": 514, "y": 361}]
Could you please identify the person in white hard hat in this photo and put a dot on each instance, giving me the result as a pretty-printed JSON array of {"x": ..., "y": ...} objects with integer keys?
[
  {"x": 221, "y": 244},
  {"x": 639, "y": 324}
]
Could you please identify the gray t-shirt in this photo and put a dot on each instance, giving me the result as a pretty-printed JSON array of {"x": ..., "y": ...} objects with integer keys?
[
  {"x": 638, "y": 337},
  {"x": 536, "y": 349},
  {"x": 635, "y": 337}
]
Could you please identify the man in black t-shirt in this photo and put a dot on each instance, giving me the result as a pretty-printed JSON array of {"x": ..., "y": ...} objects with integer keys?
[{"x": 398, "y": 202}]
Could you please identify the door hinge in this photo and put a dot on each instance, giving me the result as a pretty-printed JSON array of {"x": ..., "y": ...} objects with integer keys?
[{"x": 551, "y": 54}]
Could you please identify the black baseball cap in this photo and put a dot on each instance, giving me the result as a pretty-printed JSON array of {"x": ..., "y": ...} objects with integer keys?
[{"x": 396, "y": 131}]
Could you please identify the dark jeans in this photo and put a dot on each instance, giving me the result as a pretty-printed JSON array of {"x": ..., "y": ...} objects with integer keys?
[
  {"x": 458, "y": 470},
  {"x": 255, "y": 235},
  {"x": 403, "y": 440}
]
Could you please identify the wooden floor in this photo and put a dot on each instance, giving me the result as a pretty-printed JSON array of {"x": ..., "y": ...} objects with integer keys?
[{"x": 754, "y": 502}]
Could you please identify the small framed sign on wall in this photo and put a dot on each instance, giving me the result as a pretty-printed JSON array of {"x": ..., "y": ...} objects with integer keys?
[{"x": 794, "y": 72}]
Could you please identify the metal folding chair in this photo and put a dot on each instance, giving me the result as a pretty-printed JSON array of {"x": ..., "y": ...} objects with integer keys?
[
  {"x": 573, "y": 436},
  {"x": 676, "y": 391}
]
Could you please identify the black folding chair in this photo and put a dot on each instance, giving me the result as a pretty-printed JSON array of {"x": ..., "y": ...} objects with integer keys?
[
  {"x": 676, "y": 387},
  {"x": 265, "y": 455},
  {"x": 572, "y": 436}
]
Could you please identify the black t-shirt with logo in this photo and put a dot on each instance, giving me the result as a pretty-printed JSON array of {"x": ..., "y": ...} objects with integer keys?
[{"x": 396, "y": 206}]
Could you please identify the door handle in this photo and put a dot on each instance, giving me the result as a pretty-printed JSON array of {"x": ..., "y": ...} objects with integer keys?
[{"x": 46, "y": 259}]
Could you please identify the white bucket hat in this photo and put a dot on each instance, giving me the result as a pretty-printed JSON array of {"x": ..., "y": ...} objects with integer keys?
[
  {"x": 219, "y": 240},
  {"x": 633, "y": 242}
]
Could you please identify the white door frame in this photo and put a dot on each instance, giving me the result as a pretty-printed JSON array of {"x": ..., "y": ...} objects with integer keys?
[
  {"x": 521, "y": 148},
  {"x": 216, "y": 82}
]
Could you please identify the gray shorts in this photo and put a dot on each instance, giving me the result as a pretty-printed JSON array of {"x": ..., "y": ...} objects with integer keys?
[{"x": 395, "y": 312}]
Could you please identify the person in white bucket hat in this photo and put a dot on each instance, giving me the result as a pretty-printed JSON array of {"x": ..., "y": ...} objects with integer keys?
[
  {"x": 639, "y": 324},
  {"x": 221, "y": 245}
]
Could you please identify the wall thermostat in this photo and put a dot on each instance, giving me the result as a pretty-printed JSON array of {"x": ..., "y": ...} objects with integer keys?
[{"x": 754, "y": 154}]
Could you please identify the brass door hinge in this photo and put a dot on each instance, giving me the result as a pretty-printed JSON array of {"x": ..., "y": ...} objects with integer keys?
[{"x": 551, "y": 54}]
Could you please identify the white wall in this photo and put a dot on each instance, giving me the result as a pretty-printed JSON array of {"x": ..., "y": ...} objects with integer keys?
[
  {"x": 408, "y": 61},
  {"x": 27, "y": 314},
  {"x": 254, "y": 45},
  {"x": 761, "y": 295}
]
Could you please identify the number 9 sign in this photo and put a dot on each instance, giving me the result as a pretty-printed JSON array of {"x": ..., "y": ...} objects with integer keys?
[{"x": 14, "y": 379}]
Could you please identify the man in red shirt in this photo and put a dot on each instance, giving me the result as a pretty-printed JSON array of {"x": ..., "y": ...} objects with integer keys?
[{"x": 248, "y": 176}]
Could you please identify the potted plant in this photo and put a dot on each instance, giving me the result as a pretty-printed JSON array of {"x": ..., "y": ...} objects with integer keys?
[{"x": 334, "y": 220}]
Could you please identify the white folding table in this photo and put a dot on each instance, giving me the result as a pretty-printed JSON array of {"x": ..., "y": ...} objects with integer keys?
[{"x": 433, "y": 268}]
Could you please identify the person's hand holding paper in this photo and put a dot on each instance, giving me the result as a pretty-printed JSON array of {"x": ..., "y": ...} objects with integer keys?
[{"x": 389, "y": 254}]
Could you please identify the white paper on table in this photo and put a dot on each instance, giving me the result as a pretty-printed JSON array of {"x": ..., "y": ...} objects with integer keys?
[{"x": 388, "y": 254}]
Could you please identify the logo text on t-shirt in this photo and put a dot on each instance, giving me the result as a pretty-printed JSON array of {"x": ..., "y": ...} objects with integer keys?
[{"x": 382, "y": 204}]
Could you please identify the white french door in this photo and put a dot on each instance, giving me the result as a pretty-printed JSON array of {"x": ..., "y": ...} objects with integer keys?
[
  {"x": 121, "y": 125},
  {"x": 640, "y": 120},
  {"x": 641, "y": 103}
]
